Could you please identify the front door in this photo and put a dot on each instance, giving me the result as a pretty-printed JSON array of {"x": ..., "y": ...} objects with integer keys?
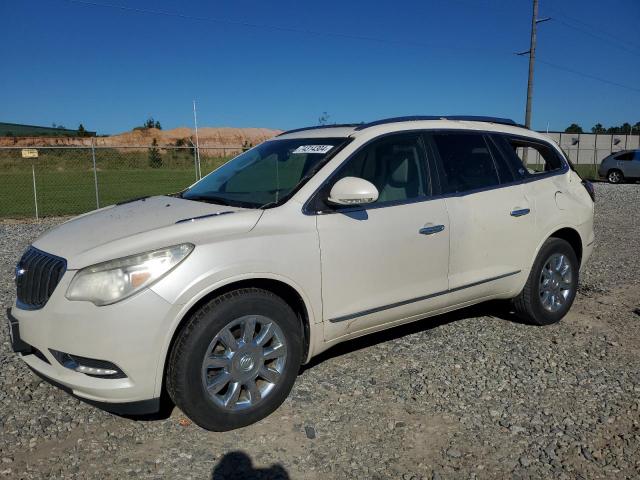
[{"x": 388, "y": 260}]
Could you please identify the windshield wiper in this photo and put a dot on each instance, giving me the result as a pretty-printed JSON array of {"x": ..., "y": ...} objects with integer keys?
[
  {"x": 208, "y": 199},
  {"x": 286, "y": 197}
]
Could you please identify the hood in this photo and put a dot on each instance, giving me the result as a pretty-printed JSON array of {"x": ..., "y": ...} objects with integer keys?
[{"x": 141, "y": 225}]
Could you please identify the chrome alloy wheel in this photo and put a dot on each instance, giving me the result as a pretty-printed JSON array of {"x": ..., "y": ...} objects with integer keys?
[
  {"x": 555, "y": 282},
  {"x": 244, "y": 362},
  {"x": 615, "y": 176}
]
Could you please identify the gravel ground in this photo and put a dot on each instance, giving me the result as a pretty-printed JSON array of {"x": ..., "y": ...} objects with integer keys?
[{"x": 473, "y": 394}]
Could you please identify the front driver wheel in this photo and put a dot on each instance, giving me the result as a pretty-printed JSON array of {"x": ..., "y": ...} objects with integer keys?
[
  {"x": 552, "y": 284},
  {"x": 235, "y": 360}
]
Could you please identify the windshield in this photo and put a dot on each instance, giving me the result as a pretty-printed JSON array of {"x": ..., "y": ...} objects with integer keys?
[{"x": 264, "y": 175}]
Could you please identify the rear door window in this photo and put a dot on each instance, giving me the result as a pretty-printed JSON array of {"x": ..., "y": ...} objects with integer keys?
[
  {"x": 466, "y": 162},
  {"x": 625, "y": 156}
]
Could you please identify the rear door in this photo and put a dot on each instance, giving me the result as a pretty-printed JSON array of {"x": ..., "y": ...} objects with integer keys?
[
  {"x": 544, "y": 182},
  {"x": 490, "y": 215},
  {"x": 624, "y": 162}
]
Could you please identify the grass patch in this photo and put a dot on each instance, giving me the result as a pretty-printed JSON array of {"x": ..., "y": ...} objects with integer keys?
[
  {"x": 587, "y": 172},
  {"x": 69, "y": 192}
]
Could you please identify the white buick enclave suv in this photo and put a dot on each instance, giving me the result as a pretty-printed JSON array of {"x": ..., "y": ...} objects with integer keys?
[{"x": 217, "y": 294}]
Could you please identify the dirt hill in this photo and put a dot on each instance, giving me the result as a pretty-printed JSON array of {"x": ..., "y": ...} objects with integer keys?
[{"x": 208, "y": 137}]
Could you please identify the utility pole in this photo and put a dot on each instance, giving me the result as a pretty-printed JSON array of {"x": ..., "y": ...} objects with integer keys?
[
  {"x": 532, "y": 59},
  {"x": 195, "y": 122}
]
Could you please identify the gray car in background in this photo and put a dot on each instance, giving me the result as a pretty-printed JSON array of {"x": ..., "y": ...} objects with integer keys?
[{"x": 621, "y": 166}]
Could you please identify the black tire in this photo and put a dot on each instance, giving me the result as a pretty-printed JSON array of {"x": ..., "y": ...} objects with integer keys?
[
  {"x": 184, "y": 371},
  {"x": 528, "y": 305},
  {"x": 615, "y": 176}
]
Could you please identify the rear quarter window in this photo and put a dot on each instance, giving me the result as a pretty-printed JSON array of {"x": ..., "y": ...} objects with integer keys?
[{"x": 532, "y": 158}]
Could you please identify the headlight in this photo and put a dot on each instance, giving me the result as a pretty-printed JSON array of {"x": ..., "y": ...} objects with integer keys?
[{"x": 112, "y": 281}]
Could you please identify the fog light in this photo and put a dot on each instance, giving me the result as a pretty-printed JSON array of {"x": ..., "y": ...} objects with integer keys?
[
  {"x": 89, "y": 366},
  {"x": 94, "y": 371}
]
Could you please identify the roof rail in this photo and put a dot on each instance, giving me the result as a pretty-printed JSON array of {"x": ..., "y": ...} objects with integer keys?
[
  {"x": 415, "y": 118},
  {"x": 316, "y": 127}
]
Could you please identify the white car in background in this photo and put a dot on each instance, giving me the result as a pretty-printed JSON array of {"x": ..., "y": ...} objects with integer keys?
[{"x": 218, "y": 294}]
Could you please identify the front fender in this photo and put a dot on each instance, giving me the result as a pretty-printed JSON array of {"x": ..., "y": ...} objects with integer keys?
[{"x": 208, "y": 284}]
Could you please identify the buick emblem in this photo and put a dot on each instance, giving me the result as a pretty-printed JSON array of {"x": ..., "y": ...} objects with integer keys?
[{"x": 246, "y": 363}]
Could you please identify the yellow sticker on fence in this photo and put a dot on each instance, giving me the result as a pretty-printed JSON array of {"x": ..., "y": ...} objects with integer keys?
[{"x": 29, "y": 153}]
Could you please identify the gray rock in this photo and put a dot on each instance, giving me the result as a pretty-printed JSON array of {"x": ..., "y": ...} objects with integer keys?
[
  {"x": 448, "y": 386},
  {"x": 453, "y": 453}
]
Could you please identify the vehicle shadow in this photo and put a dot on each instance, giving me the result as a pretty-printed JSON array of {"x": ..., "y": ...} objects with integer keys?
[
  {"x": 497, "y": 309},
  {"x": 237, "y": 465}
]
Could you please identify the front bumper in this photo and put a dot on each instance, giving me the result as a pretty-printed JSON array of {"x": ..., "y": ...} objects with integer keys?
[
  {"x": 131, "y": 334},
  {"x": 19, "y": 346},
  {"x": 141, "y": 407}
]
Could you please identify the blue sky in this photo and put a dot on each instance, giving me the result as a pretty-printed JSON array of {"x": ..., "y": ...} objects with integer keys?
[{"x": 68, "y": 62}]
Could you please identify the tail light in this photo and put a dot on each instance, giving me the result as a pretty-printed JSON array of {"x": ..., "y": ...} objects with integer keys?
[{"x": 588, "y": 186}]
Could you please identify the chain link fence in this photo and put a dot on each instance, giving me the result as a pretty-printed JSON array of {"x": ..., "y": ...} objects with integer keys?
[{"x": 73, "y": 180}]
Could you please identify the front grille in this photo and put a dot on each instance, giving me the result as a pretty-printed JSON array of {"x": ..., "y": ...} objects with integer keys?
[{"x": 37, "y": 276}]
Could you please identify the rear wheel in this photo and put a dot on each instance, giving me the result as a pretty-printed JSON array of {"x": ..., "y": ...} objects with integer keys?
[
  {"x": 236, "y": 359},
  {"x": 552, "y": 284},
  {"x": 615, "y": 176}
]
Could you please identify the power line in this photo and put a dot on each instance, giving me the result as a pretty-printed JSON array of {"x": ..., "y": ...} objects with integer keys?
[
  {"x": 588, "y": 75},
  {"x": 599, "y": 37},
  {"x": 282, "y": 28},
  {"x": 289, "y": 29},
  {"x": 591, "y": 28}
]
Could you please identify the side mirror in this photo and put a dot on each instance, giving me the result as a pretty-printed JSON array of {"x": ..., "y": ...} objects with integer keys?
[{"x": 353, "y": 191}]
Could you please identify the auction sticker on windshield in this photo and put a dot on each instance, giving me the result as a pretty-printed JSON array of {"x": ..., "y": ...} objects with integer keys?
[{"x": 313, "y": 149}]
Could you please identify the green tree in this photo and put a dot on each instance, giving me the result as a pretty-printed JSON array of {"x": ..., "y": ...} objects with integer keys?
[
  {"x": 155, "y": 159},
  {"x": 573, "y": 128},
  {"x": 598, "y": 128},
  {"x": 157, "y": 125},
  {"x": 82, "y": 132}
]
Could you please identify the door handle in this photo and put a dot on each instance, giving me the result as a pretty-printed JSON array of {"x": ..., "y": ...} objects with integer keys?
[
  {"x": 431, "y": 229},
  {"x": 519, "y": 212}
]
